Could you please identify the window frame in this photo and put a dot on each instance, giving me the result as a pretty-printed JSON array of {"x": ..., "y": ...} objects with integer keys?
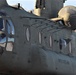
[
  {"x": 40, "y": 37},
  {"x": 70, "y": 47},
  {"x": 50, "y": 41},
  {"x": 9, "y": 37},
  {"x": 27, "y": 34}
]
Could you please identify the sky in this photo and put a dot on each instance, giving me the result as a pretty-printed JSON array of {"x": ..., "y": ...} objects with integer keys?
[{"x": 29, "y": 4}]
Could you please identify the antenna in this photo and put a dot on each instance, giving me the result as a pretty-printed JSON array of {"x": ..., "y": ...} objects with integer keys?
[
  {"x": 64, "y": 1},
  {"x": 18, "y": 5}
]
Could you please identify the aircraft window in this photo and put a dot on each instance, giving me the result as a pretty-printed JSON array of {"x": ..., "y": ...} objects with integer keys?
[
  {"x": 70, "y": 47},
  {"x": 10, "y": 39},
  {"x": 27, "y": 34},
  {"x": 6, "y": 34},
  {"x": 11, "y": 27},
  {"x": 50, "y": 41},
  {"x": 40, "y": 36},
  {"x": 2, "y": 34},
  {"x": 2, "y": 40},
  {"x": 62, "y": 43},
  {"x": 1, "y": 23}
]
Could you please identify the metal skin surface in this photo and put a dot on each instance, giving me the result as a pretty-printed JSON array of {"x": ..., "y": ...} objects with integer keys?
[
  {"x": 33, "y": 45},
  {"x": 48, "y": 8}
]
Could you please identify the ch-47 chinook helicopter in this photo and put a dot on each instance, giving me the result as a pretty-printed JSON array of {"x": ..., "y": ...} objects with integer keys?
[{"x": 38, "y": 43}]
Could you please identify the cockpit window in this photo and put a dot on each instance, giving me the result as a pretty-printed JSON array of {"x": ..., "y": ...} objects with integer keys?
[
  {"x": 10, "y": 27},
  {"x": 10, "y": 32},
  {"x": 1, "y": 23},
  {"x": 6, "y": 34}
]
